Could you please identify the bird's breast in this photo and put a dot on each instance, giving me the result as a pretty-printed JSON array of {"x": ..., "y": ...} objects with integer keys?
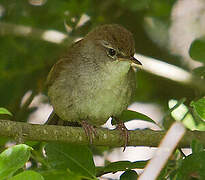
[
  {"x": 93, "y": 94},
  {"x": 111, "y": 91}
]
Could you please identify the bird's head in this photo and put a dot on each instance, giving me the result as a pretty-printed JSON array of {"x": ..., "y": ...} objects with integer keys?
[{"x": 117, "y": 41}]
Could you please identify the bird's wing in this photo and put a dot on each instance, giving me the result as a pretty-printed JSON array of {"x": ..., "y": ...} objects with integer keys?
[
  {"x": 62, "y": 63},
  {"x": 55, "y": 71}
]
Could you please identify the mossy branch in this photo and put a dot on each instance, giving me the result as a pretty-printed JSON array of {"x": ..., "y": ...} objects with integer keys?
[{"x": 24, "y": 131}]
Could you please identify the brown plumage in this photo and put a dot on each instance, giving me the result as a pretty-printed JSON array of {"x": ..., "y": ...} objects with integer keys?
[{"x": 95, "y": 80}]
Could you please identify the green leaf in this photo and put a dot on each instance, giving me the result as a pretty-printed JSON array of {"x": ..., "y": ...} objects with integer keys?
[
  {"x": 128, "y": 115},
  {"x": 199, "y": 107},
  {"x": 120, "y": 166},
  {"x": 129, "y": 175},
  {"x": 13, "y": 159},
  {"x": 5, "y": 111},
  {"x": 193, "y": 164},
  {"x": 197, "y": 50},
  {"x": 181, "y": 101},
  {"x": 200, "y": 71},
  {"x": 28, "y": 175},
  {"x": 60, "y": 175},
  {"x": 76, "y": 158},
  {"x": 196, "y": 146}
]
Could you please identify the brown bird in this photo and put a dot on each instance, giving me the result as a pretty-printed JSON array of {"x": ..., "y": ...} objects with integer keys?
[{"x": 95, "y": 79}]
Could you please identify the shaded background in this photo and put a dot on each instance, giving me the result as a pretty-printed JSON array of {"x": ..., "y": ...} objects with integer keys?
[{"x": 34, "y": 33}]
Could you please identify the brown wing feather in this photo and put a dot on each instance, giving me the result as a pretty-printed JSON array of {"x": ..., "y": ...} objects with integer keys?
[
  {"x": 61, "y": 64},
  {"x": 66, "y": 59},
  {"x": 55, "y": 71}
]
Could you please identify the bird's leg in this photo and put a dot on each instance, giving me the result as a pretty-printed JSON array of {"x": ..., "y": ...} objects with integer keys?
[
  {"x": 90, "y": 131},
  {"x": 124, "y": 133}
]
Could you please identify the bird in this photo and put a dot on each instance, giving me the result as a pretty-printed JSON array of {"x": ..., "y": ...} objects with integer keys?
[{"x": 95, "y": 79}]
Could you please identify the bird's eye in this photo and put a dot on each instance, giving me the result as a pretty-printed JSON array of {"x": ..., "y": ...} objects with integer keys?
[{"x": 111, "y": 52}]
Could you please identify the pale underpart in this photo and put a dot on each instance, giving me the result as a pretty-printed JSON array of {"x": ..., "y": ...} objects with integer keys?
[{"x": 101, "y": 95}]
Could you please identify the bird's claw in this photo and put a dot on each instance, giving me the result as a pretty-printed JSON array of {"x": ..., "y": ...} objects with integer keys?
[
  {"x": 90, "y": 131},
  {"x": 124, "y": 133}
]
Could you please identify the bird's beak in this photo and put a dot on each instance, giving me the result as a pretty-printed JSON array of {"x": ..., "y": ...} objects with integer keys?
[
  {"x": 135, "y": 61},
  {"x": 131, "y": 60}
]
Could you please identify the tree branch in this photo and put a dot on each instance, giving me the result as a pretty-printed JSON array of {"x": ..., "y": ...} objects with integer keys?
[{"x": 23, "y": 131}]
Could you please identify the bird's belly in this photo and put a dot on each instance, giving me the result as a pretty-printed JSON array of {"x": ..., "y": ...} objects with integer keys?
[
  {"x": 94, "y": 98},
  {"x": 106, "y": 103},
  {"x": 109, "y": 96}
]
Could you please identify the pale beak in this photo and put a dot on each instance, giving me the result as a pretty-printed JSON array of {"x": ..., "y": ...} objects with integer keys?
[
  {"x": 135, "y": 61},
  {"x": 131, "y": 59}
]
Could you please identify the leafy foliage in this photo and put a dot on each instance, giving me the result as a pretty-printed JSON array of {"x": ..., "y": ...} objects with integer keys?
[
  {"x": 197, "y": 50},
  {"x": 128, "y": 115},
  {"x": 129, "y": 175},
  {"x": 196, "y": 147},
  {"x": 77, "y": 159},
  {"x": 192, "y": 166},
  {"x": 31, "y": 175},
  {"x": 199, "y": 107},
  {"x": 200, "y": 71},
  {"x": 26, "y": 58},
  {"x": 5, "y": 111},
  {"x": 120, "y": 166},
  {"x": 13, "y": 159}
]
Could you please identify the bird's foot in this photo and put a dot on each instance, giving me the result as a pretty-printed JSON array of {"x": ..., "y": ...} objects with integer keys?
[
  {"x": 124, "y": 133},
  {"x": 90, "y": 131}
]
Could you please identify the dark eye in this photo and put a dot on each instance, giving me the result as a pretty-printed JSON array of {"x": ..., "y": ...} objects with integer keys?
[{"x": 111, "y": 52}]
